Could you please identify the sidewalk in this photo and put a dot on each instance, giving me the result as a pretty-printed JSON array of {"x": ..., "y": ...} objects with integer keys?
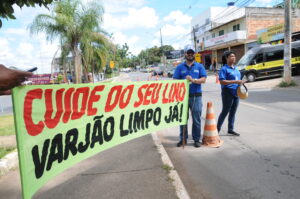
[{"x": 263, "y": 83}]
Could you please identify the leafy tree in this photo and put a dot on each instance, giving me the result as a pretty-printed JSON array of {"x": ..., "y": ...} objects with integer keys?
[
  {"x": 121, "y": 55},
  {"x": 7, "y": 10},
  {"x": 78, "y": 28}
]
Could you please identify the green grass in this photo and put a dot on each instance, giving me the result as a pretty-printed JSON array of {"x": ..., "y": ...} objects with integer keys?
[
  {"x": 4, "y": 151},
  {"x": 167, "y": 168},
  {"x": 284, "y": 84},
  {"x": 7, "y": 126}
]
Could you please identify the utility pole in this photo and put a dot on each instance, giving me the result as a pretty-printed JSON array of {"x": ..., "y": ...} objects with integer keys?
[
  {"x": 161, "y": 41},
  {"x": 287, "y": 75},
  {"x": 194, "y": 35},
  {"x": 162, "y": 51}
]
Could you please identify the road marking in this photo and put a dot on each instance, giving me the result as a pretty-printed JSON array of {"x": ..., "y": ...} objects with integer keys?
[
  {"x": 179, "y": 187},
  {"x": 254, "y": 106}
]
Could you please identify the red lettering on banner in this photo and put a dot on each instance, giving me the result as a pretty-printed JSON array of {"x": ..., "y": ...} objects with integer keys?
[
  {"x": 68, "y": 108},
  {"x": 130, "y": 90},
  {"x": 148, "y": 94},
  {"x": 155, "y": 94},
  {"x": 181, "y": 92},
  {"x": 32, "y": 128},
  {"x": 51, "y": 123},
  {"x": 165, "y": 100},
  {"x": 109, "y": 107},
  {"x": 84, "y": 91},
  {"x": 67, "y": 105},
  {"x": 140, "y": 96},
  {"x": 176, "y": 93},
  {"x": 94, "y": 98}
]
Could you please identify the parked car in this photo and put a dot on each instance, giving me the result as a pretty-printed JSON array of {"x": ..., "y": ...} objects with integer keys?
[
  {"x": 157, "y": 72},
  {"x": 268, "y": 60},
  {"x": 171, "y": 72}
]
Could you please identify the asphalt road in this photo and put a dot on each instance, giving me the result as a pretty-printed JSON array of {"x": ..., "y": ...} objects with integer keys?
[
  {"x": 264, "y": 162},
  {"x": 5, "y": 105}
]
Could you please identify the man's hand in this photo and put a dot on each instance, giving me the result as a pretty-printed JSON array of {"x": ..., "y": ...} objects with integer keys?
[
  {"x": 188, "y": 77},
  {"x": 10, "y": 78},
  {"x": 239, "y": 82}
]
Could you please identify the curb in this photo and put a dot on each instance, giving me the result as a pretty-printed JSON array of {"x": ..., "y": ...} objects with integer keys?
[
  {"x": 177, "y": 183},
  {"x": 8, "y": 162}
]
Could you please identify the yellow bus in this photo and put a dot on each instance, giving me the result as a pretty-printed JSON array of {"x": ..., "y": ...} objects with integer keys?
[{"x": 267, "y": 60}]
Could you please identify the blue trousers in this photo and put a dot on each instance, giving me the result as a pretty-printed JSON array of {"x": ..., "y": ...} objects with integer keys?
[
  {"x": 230, "y": 104},
  {"x": 195, "y": 105}
]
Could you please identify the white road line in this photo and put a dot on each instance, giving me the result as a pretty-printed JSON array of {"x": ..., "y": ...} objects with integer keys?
[
  {"x": 253, "y": 106},
  {"x": 177, "y": 183}
]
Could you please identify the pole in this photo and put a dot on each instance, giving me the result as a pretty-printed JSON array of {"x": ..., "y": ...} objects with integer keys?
[
  {"x": 194, "y": 35},
  {"x": 162, "y": 51},
  {"x": 287, "y": 77}
]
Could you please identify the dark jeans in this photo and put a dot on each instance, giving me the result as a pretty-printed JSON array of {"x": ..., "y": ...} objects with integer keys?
[
  {"x": 195, "y": 105},
  {"x": 230, "y": 104}
]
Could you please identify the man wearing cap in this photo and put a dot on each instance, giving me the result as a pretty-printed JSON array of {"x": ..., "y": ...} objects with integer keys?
[{"x": 195, "y": 73}]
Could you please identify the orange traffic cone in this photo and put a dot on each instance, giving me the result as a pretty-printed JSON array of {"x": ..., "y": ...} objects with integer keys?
[
  {"x": 210, "y": 136},
  {"x": 217, "y": 79}
]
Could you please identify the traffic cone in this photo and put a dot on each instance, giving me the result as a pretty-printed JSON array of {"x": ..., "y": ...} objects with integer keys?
[
  {"x": 217, "y": 79},
  {"x": 210, "y": 136},
  {"x": 156, "y": 77}
]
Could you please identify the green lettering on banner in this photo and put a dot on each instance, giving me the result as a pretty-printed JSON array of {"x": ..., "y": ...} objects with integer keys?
[{"x": 60, "y": 125}]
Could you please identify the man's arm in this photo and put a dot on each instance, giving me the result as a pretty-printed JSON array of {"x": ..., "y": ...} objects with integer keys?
[
  {"x": 10, "y": 78},
  {"x": 202, "y": 80},
  {"x": 226, "y": 82}
]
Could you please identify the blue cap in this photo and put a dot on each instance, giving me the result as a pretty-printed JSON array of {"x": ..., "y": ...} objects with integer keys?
[{"x": 188, "y": 47}]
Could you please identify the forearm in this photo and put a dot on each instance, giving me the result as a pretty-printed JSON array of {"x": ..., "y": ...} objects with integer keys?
[
  {"x": 226, "y": 82},
  {"x": 202, "y": 80}
]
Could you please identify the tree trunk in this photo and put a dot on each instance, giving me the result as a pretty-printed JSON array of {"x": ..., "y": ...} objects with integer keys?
[{"x": 77, "y": 63}]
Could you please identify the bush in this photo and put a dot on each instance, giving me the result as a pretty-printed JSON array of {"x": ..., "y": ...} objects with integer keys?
[{"x": 284, "y": 84}]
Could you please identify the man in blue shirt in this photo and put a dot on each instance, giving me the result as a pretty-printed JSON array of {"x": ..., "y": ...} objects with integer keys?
[{"x": 196, "y": 74}]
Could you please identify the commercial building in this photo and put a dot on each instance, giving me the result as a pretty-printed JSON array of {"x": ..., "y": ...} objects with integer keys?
[{"x": 232, "y": 28}]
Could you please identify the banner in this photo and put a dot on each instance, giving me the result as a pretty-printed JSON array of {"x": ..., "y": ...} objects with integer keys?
[{"x": 60, "y": 125}]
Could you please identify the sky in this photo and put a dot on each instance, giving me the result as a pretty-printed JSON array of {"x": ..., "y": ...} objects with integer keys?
[{"x": 135, "y": 22}]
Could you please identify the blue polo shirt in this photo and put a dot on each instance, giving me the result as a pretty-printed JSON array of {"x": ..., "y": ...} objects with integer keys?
[
  {"x": 228, "y": 73},
  {"x": 196, "y": 71}
]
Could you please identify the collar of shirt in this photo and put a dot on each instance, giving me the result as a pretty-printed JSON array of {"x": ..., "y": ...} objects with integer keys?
[
  {"x": 230, "y": 66},
  {"x": 185, "y": 64}
]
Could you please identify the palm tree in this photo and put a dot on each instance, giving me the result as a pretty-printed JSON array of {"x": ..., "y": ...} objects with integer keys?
[
  {"x": 94, "y": 52},
  {"x": 76, "y": 26}
]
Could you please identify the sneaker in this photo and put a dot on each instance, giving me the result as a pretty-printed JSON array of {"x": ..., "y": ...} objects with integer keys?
[
  {"x": 233, "y": 133},
  {"x": 197, "y": 144},
  {"x": 179, "y": 144}
]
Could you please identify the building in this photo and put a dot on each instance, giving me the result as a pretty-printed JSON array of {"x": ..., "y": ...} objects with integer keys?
[{"x": 234, "y": 28}]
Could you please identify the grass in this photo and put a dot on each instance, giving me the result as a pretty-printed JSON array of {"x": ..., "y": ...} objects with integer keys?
[
  {"x": 5, "y": 150},
  {"x": 167, "y": 168},
  {"x": 284, "y": 84},
  {"x": 7, "y": 126}
]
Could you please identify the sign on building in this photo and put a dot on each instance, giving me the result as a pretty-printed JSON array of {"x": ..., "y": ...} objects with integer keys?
[
  {"x": 271, "y": 33},
  {"x": 174, "y": 54}
]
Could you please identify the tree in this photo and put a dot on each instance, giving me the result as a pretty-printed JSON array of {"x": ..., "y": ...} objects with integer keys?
[
  {"x": 121, "y": 55},
  {"x": 7, "y": 10},
  {"x": 78, "y": 28}
]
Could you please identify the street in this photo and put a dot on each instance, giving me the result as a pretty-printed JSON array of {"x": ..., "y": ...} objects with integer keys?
[{"x": 264, "y": 162}]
